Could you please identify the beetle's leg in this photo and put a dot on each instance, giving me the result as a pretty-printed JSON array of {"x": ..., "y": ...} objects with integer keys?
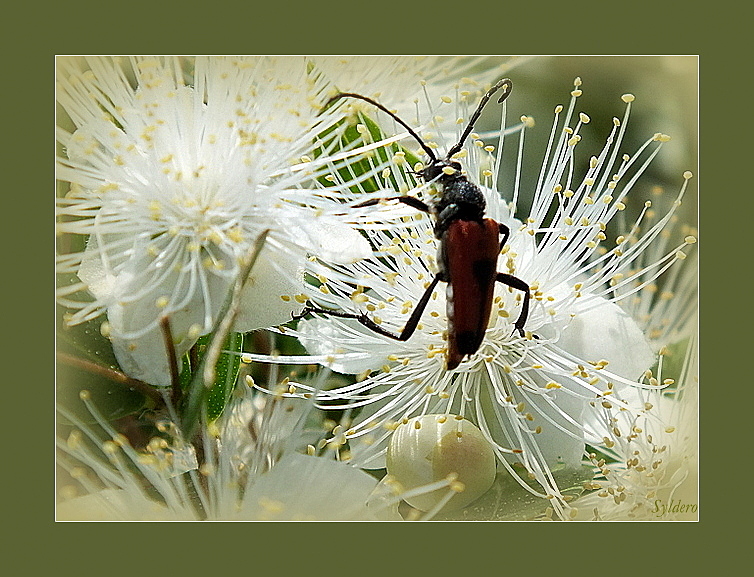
[
  {"x": 449, "y": 212},
  {"x": 404, "y": 335},
  {"x": 446, "y": 216},
  {"x": 517, "y": 283},
  {"x": 505, "y": 231},
  {"x": 409, "y": 200}
]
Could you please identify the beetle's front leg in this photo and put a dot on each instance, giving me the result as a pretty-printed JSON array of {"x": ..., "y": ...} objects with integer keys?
[{"x": 411, "y": 201}]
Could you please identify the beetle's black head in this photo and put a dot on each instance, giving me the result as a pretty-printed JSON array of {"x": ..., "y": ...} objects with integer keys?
[{"x": 437, "y": 170}]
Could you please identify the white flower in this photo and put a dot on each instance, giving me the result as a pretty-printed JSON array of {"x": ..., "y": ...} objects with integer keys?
[
  {"x": 652, "y": 472},
  {"x": 414, "y": 85},
  {"x": 539, "y": 398},
  {"x": 250, "y": 469},
  {"x": 175, "y": 168}
]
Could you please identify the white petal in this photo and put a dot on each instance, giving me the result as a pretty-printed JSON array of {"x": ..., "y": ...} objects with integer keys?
[
  {"x": 557, "y": 446},
  {"x": 333, "y": 241},
  {"x": 145, "y": 357},
  {"x": 275, "y": 274},
  {"x": 607, "y": 332},
  {"x": 324, "y": 337},
  {"x": 137, "y": 339},
  {"x": 300, "y": 487},
  {"x": 602, "y": 330},
  {"x": 560, "y": 442},
  {"x": 102, "y": 282}
]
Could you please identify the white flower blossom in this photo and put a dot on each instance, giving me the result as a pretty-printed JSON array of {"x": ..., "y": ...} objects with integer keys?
[
  {"x": 251, "y": 468},
  {"x": 175, "y": 167},
  {"x": 539, "y": 398},
  {"x": 414, "y": 85},
  {"x": 652, "y": 472}
]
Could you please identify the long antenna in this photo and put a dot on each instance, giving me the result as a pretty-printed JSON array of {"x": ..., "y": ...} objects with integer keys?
[
  {"x": 426, "y": 148},
  {"x": 503, "y": 83}
]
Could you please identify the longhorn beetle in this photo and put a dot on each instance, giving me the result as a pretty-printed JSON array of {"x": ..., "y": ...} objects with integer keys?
[{"x": 469, "y": 246}]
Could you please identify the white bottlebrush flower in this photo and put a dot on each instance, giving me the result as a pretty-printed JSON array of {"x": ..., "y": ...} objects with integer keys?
[
  {"x": 250, "y": 468},
  {"x": 666, "y": 310},
  {"x": 651, "y": 473},
  {"x": 175, "y": 166},
  {"x": 539, "y": 398},
  {"x": 413, "y": 85}
]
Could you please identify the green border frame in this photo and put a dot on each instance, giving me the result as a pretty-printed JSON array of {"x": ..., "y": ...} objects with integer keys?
[{"x": 638, "y": 27}]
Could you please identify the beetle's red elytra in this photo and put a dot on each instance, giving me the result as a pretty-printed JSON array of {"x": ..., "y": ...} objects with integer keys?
[{"x": 469, "y": 255}]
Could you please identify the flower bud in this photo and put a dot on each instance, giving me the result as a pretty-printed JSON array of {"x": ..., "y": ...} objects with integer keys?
[{"x": 430, "y": 448}]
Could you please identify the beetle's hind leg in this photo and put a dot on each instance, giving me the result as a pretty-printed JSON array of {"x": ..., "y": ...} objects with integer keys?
[
  {"x": 517, "y": 283},
  {"x": 505, "y": 233},
  {"x": 404, "y": 335}
]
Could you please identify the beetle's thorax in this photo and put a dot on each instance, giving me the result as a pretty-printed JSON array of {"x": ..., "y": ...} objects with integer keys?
[
  {"x": 466, "y": 198},
  {"x": 459, "y": 199}
]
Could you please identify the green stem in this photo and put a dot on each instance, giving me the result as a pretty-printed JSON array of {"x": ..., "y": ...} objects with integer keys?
[
  {"x": 112, "y": 375},
  {"x": 204, "y": 375}
]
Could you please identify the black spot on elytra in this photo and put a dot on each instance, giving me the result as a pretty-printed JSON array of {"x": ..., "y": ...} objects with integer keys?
[
  {"x": 468, "y": 342},
  {"x": 484, "y": 270}
]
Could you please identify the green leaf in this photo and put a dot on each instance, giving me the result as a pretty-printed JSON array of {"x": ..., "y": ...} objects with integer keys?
[
  {"x": 226, "y": 371},
  {"x": 226, "y": 375},
  {"x": 364, "y": 165}
]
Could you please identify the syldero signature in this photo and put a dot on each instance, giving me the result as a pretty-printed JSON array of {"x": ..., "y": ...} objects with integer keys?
[{"x": 662, "y": 509}]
